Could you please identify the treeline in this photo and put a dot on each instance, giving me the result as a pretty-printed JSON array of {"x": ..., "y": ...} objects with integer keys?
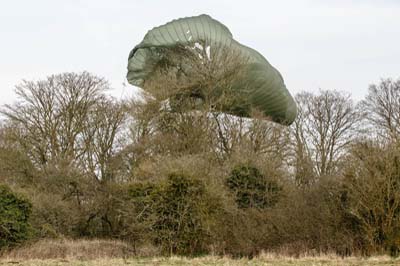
[{"x": 182, "y": 177}]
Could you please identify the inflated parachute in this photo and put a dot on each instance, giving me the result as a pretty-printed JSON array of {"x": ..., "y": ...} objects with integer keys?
[{"x": 264, "y": 85}]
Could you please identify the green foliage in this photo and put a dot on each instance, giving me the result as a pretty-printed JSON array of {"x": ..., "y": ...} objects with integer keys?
[
  {"x": 252, "y": 189},
  {"x": 14, "y": 216}
]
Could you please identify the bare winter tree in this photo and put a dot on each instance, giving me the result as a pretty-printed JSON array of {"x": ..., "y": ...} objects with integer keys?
[
  {"x": 59, "y": 119},
  {"x": 100, "y": 133},
  {"x": 194, "y": 92},
  {"x": 198, "y": 77},
  {"x": 382, "y": 108},
  {"x": 189, "y": 85},
  {"x": 324, "y": 127}
]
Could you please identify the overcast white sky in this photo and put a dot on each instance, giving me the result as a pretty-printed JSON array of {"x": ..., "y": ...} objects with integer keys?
[{"x": 330, "y": 44}]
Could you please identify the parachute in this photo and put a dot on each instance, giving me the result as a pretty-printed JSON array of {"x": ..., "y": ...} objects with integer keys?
[{"x": 263, "y": 85}]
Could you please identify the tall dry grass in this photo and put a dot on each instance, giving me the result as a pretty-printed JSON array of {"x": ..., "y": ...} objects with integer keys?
[
  {"x": 213, "y": 261},
  {"x": 67, "y": 252},
  {"x": 71, "y": 249}
]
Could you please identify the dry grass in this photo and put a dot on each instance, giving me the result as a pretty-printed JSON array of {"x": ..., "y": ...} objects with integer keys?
[
  {"x": 210, "y": 260},
  {"x": 71, "y": 249},
  {"x": 64, "y": 252}
]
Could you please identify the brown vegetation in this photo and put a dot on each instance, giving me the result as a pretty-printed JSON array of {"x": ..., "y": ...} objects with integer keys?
[
  {"x": 172, "y": 173},
  {"x": 101, "y": 252},
  {"x": 48, "y": 249}
]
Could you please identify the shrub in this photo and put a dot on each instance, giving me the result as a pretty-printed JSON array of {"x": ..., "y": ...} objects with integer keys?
[
  {"x": 252, "y": 189},
  {"x": 372, "y": 202},
  {"x": 178, "y": 213},
  {"x": 14, "y": 215},
  {"x": 52, "y": 216},
  {"x": 179, "y": 226}
]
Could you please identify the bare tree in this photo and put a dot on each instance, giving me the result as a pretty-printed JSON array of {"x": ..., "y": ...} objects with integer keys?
[
  {"x": 302, "y": 150},
  {"x": 100, "y": 133},
  {"x": 324, "y": 127},
  {"x": 382, "y": 108},
  {"x": 59, "y": 119},
  {"x": 190, "y": 86},
  {"x": 195, "y": 91}
]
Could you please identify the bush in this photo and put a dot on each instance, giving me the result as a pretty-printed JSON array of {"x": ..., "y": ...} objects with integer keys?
[
  {"x": 310, "y": 221},
  {"x": 14, "y": 216},
  {"x": 53, "y": 216},
  {"x": 178, "y": 213},
  {"x": 372, "y": 196},
  {"x": 242, "y": 232},
  {"x": 252, "y": 189}
]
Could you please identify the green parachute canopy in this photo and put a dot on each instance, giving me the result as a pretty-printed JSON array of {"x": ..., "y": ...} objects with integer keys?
[{"x": 263, "y": 84}]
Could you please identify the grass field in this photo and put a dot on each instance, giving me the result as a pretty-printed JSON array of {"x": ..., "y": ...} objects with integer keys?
[
  {"x": 215, "y": 261},
  {"x": 65, "y": 252}
]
